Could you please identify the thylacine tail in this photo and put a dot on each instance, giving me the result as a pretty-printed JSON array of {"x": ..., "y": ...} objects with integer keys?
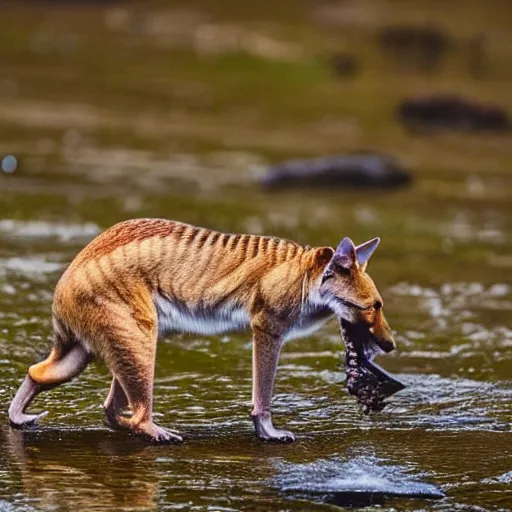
[{"x": 67, "y": 358}]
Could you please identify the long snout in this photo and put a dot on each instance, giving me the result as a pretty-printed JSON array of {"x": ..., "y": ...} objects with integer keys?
[{"x": 382, "y": 334}]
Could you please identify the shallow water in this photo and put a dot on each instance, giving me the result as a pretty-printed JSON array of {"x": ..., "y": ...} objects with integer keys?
[{"x": 123, "y": 146}]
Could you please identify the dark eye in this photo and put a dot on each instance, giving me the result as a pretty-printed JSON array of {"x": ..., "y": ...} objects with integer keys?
[
  {"x": 327, "y": 275},
  {"x": 377, "y": 305},
  {"x": 342, "y": 270}
]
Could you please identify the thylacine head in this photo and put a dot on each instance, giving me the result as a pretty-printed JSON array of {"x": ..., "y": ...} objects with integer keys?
[{"x": 351, "y": 294}]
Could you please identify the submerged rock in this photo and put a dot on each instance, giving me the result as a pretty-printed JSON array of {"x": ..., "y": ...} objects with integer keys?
[
  {"x": 451, "y": 112},
  {"x": 372, "y": 170},
  {"x": 361, "y": 481}
]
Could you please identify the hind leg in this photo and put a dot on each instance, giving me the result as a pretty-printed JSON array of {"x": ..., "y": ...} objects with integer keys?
[
  {"x": 135, "y": 373},
  {"x": 115, "y": 404},
  {"x": 129, "y": 349},
  {"x": 57, "y": 368}
]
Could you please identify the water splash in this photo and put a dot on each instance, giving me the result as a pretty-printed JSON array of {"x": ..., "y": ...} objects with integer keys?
[{"x": 363, "y": 480}]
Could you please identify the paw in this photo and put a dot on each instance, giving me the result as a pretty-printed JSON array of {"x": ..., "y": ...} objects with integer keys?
[
  {"x": 278, "y": 436},
  {"x": 159, "y": 435},
  {"x": 164, "y": 436},
  {"x": 266, "y": 431}
]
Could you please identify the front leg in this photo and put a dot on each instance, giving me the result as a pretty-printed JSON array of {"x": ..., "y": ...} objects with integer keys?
[{"x": 265, "y": 355}]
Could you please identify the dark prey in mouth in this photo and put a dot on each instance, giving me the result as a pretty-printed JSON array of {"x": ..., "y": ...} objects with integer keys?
[{"x": 366, "y": 381}]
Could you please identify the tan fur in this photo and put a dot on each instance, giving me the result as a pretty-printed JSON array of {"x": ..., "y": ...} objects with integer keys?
[{"x": 113, "y": 299}]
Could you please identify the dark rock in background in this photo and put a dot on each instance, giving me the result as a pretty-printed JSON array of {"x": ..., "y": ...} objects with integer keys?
[
  {"x": 365, "y": 169},
  {"x": 451, "y": 112}
]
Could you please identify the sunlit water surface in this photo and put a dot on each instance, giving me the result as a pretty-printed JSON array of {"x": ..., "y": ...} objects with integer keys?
[{"x": 443, "y": 443}]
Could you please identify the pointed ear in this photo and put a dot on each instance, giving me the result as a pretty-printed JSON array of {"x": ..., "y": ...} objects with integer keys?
[
  {"x": 324, "y": 255},
  {"x": 345, "y": 255},
  {"x": 364, "y": 251}
]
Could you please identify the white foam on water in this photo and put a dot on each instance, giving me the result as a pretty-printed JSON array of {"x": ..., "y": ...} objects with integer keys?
[
  {"x": 505, "y": 478},
  {"x": 363, "y": 474}
]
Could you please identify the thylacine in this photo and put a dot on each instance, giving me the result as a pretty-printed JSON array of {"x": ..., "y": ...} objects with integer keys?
[{"x": 146, "y": 277}]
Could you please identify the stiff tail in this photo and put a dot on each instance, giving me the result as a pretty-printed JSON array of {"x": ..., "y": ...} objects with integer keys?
[
  {"x": 66, "y": 360},
  {"x": 25, "y": 394}
]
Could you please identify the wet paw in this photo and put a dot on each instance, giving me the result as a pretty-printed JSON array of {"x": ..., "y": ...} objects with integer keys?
[
  {"x": 278, "y": 436},
  {"x": 159, "y": 435},
  {"x": 266, "y": 431}
]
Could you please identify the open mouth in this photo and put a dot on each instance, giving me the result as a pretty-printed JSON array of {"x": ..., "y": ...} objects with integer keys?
[{"x": 366, "y": 381}]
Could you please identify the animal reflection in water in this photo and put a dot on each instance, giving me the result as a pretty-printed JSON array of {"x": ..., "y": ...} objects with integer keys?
[{"x": 54, "y": 464}]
